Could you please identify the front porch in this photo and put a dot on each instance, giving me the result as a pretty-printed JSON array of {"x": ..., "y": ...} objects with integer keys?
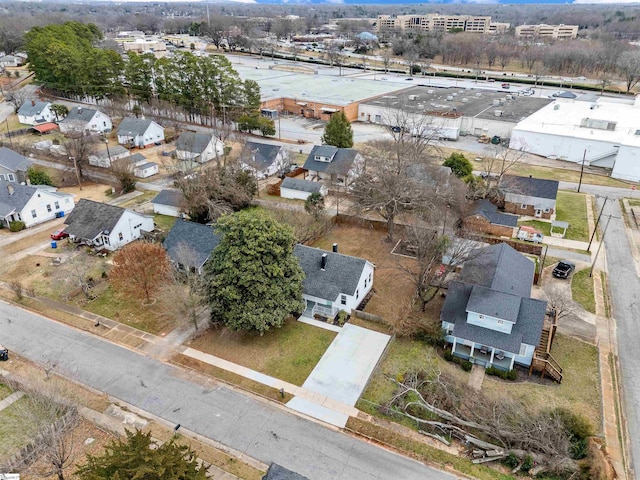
[
  {"x": 484, "y": 356},
  {"x": 312, "y": 309}
]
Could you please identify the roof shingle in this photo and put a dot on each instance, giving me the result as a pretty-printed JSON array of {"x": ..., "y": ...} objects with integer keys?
[
  {"x": 529, "y": 186},
  {"x": 89, "y": 219},
  {"x": 190, "y": 244},
  {"x": 342, "y": 159}
]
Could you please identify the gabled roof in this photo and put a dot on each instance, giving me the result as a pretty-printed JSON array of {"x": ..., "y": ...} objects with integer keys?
[
  {"x": 565, "y": 95},
  {"x": 276, "y": 472},
  {"x": 13, "y": 161},
  {"x": 190, "y": 244},
  {"x": 31, "y": 108},
  {"x": 89, "y": 219},
  {"x": 79, "y": 115},
  {"x": 144, "y": 166},
  {"x": 173, "y": 198},
  {"x": 113, "y": 151},
  {"x": 137, "y": 157},
  {"x": 301, "y": 185},
  {"x": 529, "y": 186},
  {"x": 341, "y": 163},
  {"x": 193, "y": 142},
  {"x": 341, "y": 273},
  {"x": 14, "y": 196},
  {"x": 500, "y": 267},
  {"x": 494, "y": 303},
  {"x": 132, "y": 126},
  {"x": 45, "y": 127},
  {"x": 490, "y": 212},
  {"x": 260, "y": 155}
]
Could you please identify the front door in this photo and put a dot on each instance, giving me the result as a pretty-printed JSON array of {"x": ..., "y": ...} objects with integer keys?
[{"x": 538, "y": 212}]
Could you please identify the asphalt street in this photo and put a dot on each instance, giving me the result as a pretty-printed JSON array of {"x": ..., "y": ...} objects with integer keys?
[{"x": 264, "y": 432}]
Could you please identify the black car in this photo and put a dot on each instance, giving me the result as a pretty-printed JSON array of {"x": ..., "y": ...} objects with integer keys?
[
  {"x": 564, "y": 269},
  {"x": 4, "y": 353}
]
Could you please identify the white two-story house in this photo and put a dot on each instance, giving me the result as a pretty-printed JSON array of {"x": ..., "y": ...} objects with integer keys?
[
  {"x": 106, "y": 226},
  {"x": 333, "y": 281},
  {"x": 33, "y": 112},
  {"x": 139, "y": 132},
  {"x": 327, "y": 163},
  {"x": 86, "y": 121},
  {"x": 489, "y": 316},
  {"x": 199, "y": 147},
  {"x": 32, "y": 204}
]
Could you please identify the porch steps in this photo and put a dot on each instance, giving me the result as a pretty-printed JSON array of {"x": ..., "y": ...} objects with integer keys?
[{"x": 543, "y": 361}]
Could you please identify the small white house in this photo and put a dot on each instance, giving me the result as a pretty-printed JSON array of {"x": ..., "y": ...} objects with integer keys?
[
  {"x": 264, "y": 159},
  {"x": 103, "y": 158},
  {"x": 11, "y": 61},
  {"x": 168, "y": 202},
  {"x": 32, "y": 204},
  {"x": 85, "y": 120},
  {"x": 145, "y": 170},
  {"x": 301, "y": 189},
  {"x": 333, "y": 281},
  {"x": 106, "y": 226},
  {"x": 33, "y": 112},
  {"x": 13, "y": 166},
  {"x": 139, "y": 132},
  {"x": 199, "y": 147}
]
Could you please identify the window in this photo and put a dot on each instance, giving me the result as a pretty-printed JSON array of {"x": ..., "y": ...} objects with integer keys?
[
  {"x": 343, "y": 299},
  {"x": 38, "y": 195},
  {"x": 57, "y": 205},
  {"x": 369, "y": 277},
  {"x": 11, "y": 178},
  {"x": 357, "y": 293},
  {"x": 365, "y": 283},
  {"x": 500, "y": 322},
  {"x": 523, "y": 206},
  {"x": 49, "y": 208},
  {"x": 120, "y": 236},
  {"x": 2, "y": 177},
  {"x": 481, "y": 317},
  {"x": 33, "y": 213},
  {"x": 66, "y": 200},
  {"x": 523, "y": 350},
  {"x": 104, "y": 124},
  {"x": 547, "y": 210}
]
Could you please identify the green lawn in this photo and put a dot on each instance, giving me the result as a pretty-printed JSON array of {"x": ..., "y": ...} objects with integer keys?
[
  {"x": 4, "y": 391},
  {"x": 565, "y": 175},
  {"x": 164, "y": 222},
  {"x": 634, "y": 202},
  {"x": 572, "y": 208},
  {"x": 544, "y": 227},
  {"x": 288, "y": 353},
  {"x": 12, "y": 438},
  {"x": 582, "y": 290}
]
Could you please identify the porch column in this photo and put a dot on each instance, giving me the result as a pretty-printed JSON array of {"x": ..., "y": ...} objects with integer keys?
[
  {"x": 513, "y": 359},
  {"x": 453, "y": 347},
  {"x": 473, "y": 346},
  {"x": 493, "y": 351}
]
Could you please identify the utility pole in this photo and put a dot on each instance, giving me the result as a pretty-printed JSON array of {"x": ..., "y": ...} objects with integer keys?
[
  {"x": 584, "y": 156},
  {"x": 75, "y": 167},
  {"x": 600, "y": 246},
  {"x": 597, "y": 223},
  {"x": 6, "y": 120}
]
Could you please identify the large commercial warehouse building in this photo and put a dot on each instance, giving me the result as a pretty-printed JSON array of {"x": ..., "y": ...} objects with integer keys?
[
  {"x": 451, "y": 112},
  {"x": 605, "y": 132}
]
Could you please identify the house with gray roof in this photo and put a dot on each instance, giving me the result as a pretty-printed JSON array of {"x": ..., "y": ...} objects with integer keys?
[
  {"x": 32, "y": 204},
  {"x": 13, "y": 166},
  {"x": 199, "y": 147},
  {"x": 529, "y": 196},
  {"x": 486, "y": 218},
  {"x": 263, "y": 159},
  {"x": 11, "y": 61},
  {"x": 139, "y": 132},
  {"x": 106, "y": 227},
  {"x": 104, "y": 157},
  {"x": 85, "y": 120},
  {"x": 168, "y": 202},
  {"x": 327, "y": 163},
  {"x": 276, "y": 472},
  {"x": 190, "y": 244},
  {"x": 33, "y": 112},
  {"x": 333, "y": 281},
  {"x": 300, "y": 189},
  {"x": 489, "y": 316}
]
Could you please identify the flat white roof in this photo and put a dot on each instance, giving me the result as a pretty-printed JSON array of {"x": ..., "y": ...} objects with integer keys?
[
  {"x": 587, "y": 120},
  {"x": 323, "y": 89}
]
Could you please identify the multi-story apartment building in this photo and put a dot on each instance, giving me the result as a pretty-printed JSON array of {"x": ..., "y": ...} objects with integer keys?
[
  {"x": 547, "y": 31},
  {"x": 440, "y": 23}
]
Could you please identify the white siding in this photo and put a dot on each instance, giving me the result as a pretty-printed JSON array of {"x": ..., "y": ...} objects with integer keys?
[
  {"x": 147, "y": 172},
  {"x": 128, "y": 229},
  {"x": 166, "y": 210},
  {"x": 31, "y": 120},
  {"x": 39, "y": 202},
  {"x": 491, "y": 323},
  {"x": 295, "y": 194}
]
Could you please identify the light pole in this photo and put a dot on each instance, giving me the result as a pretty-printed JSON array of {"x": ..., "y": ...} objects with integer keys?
[
  {"x": 597, "y": 223},
  {"x": 106, "y": 142},
  {"x": 600, "y": 246},
  {"x": 584, "y": 156}
]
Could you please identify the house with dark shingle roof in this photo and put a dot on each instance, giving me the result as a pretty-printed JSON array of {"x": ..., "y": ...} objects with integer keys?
[
  {"x": 489, "y": 316},
  {"x": 332, "y": 164},
  {"x": 276, "y": 472},
  {"x": 190, "y": 244},
  {"x": 13, "y": 166},
  {"x": 333, "y": 281},
  {"x": 263, "y": 159},
  {"x": 301, "y": 189},
  {"x": 485, "y": 218},
  {"x": 530, "y": 196},
  {"x": 33, "y": 112},
  {"x": 139, "y": 132},
  {"x": 106, "y": 226},
  {"x": 199, "y": 147},
  {"x": 168, "y": 202},
  {"x": 32, "y": 204},
  {"x": 85, "y": 120},
  {"x": 103, "y": 158}
]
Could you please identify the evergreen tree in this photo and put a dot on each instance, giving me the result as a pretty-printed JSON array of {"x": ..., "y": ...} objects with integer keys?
[
  {"x": 459, "y": 165},
  {"x": 338, "y": 131}
]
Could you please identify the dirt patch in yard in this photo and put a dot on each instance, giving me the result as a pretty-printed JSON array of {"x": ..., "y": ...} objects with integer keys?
[
  {"x": 392, "y": 289},
  {"x": 90, "y": 191}
]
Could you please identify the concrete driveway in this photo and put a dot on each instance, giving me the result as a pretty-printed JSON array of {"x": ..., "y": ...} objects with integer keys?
[{"x": 343, "y": 371}]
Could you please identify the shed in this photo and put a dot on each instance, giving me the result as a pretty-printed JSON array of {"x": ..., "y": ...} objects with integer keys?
[
  {"x": 301, "y": 189},
  {"x": 145, "y": 170}
]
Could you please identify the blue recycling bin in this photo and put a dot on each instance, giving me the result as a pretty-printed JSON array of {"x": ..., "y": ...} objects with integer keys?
[{"x": 54, "y": 244}]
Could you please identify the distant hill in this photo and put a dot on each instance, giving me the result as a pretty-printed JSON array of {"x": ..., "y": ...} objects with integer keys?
[{"x": 405, "y": 2}]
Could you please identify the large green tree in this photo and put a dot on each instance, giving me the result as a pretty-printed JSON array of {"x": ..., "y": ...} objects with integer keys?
[
  {"x": 459, "y": 165},
  {"x": 338, "y": 131},
  {"x": 254, "y": 281},
  {"x": 141, "y": 457}
]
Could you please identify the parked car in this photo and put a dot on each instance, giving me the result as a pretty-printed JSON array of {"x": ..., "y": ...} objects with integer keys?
[
  {"x": 4, "y": 354},
  {"x": 506, "y": 86},
  {"x": 59, "y": 234},
  {"x": 564, "y": 269},
  {"x": 530, "y": 234}
]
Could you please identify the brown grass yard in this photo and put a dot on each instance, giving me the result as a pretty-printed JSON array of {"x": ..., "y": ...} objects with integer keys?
[
  {"x": 288, "y": 353},
  {"x": 393, "y": 289}
]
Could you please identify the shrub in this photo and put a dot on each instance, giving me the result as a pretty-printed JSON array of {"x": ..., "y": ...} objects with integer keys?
[
  {"x": 466, "y": 366},
  {"x": 18, "y": 289},
  {"x": 510, "y": 375},
  {"x": 527, "y": 463},
  {"x": 37, "y": 176},
  {"x": 579, "y": 449},
  {"x": 448, "y": 356},
  {"x": 578, "y": 427},
  {"x": 460, "y": 166},
  {"x": 16, "y": 226},
  {"x": 511, "y": 461},
  {"x": 342, "y": 318}
]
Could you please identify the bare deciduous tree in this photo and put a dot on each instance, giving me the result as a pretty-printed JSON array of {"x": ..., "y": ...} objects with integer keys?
[
  {"x": 80, "y": 147},
  {"x": 497, "y": 163}
]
